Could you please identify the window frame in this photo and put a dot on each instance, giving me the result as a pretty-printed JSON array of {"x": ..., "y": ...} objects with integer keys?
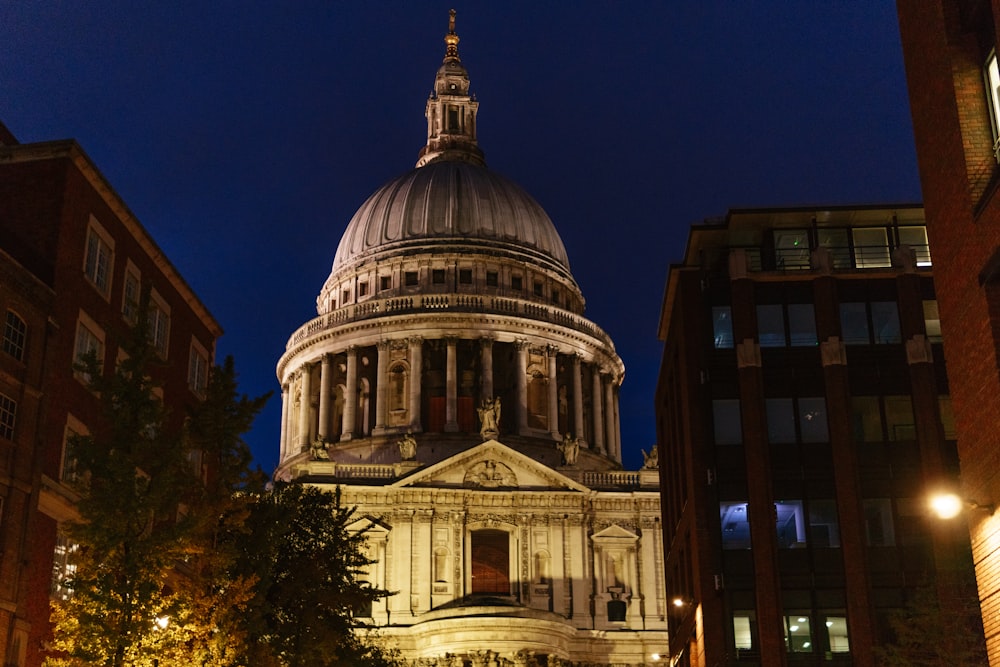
[
  {"x": 198, "y": 376},
  {"x": 8, "y": 417},
  {"x": 85, "y": 323},
  {"x": 15, "y": 339},
  {"x": 92, "y": 264}
]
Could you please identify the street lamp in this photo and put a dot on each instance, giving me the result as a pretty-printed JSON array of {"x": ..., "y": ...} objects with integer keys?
[{"x": 949, "y": 505}]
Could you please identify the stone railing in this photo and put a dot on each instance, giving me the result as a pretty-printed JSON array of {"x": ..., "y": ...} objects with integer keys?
[
  {"x": 457, "y": 303},
  {"x": 348, "y": 470},
  {"x": 615, "y": 479}
]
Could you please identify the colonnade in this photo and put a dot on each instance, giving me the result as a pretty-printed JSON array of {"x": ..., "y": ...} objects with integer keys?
[{"x": 311, "y": 414}]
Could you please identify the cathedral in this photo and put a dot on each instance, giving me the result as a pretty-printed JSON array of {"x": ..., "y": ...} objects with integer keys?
[{"x": 451, "y": 386}]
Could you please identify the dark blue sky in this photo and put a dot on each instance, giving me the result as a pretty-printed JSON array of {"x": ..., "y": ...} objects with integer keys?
[{"x": 244, "y": 135}]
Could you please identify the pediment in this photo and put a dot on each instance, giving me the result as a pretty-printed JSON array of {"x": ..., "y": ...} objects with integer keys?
[
  {"x": 370, "y": 525},
  {"x": 614, "y": 533},
  {"x": 491, "y": 466}
]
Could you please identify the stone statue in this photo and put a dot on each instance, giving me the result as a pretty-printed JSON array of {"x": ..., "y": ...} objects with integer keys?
[
  {"x": 318, "y": 451},
  {"x": 407, "y": 447},
  {"x": 570, "y": 448},
  {"x": 651, "y": 461},
  {"x": 489, "y": 417}
]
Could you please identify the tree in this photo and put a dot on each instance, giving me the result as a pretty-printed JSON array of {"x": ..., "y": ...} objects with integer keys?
[
  {"x": 154, "y": 498},
  {"x": 307, "y": 562}
]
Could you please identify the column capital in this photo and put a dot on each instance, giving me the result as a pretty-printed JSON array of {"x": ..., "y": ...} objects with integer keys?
[
  {"x": 351, "y": 349},
  {"x": 487, "y": 341},
  {"x": 521, "y": 343},
  {"x": 383, "y": 345},
  {"x": 552, "y": 349},
  {"x": 415, "y": 340},
  {"x": 450, "y": 340}
]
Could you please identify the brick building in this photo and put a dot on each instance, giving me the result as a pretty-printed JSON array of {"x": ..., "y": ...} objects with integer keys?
[
  {"x": 73, "y": 261},
  {"x": 950, "y": 52},
  {"x": 802, "y": 413}
]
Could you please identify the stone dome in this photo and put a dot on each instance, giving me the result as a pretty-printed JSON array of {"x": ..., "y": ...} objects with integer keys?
[{"x": 455, "y": 204}]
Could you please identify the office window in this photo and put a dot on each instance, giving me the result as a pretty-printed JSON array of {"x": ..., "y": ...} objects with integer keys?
[
  {"x": 780, "y": 420},
  {"x": 798, "y": 634},
  {"x": 465, "y": 276},
  {"x": 811, "y": 414},
  {"x": 98, "y": 257},
  {"x": 871, "y": 247},
  {"x": 834, "y": 239},
  {"x": 89, "y": 339},
  {"x": 801, "y": 324},
  {"x": 991, "y": 75},
  {"x": 726, "y": 421},
  {"x": 437, "y": 276},
  {"x": 899, "y": 418},
  {"x": 491, "y": 279},
  {"x": 854, "y": 323},
  {"x": 8, "y": 413},
  {"x": 159, "y": 324},
  {"x": 866, "y": 419},
  {"x": 410, "y": 278},
  {"x": 130, "y": 294},
  {"x": 932, "y": 320},
  {"x": 63, "y": 566},
  {"x": 796, "y": 420},
  {"x": 385, "y": 282},
  {"x": 722, "y": 327},
  {"x": 885, "y": 322},
  {"x": 735, "y": 525},
  {"x": 15, "y": 332},
  {"x": 879, "y": 528},
  {"x": 824, "y": 528},
  {"x": 771, "y": 325},
  {"x": 790, "y": 523},
  {"x": 744, "y": 624},
  {"x": 916, "y": 238},
  {"x": 791, "y": 248},
  {"x": 198, "y": 368},
  {"x": 836, "y": 634}
]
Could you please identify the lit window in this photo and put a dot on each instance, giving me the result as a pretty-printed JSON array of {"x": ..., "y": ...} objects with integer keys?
[
  {"x": 99, "y": 257},
  {"x": 932, "y": 321},
  {"x": 722, "y": 327},
  {"x": 798, "y": 635},
  {"x": 744, "y": 623},
  {"x": 992, "y": 76},
  {"x": 790, "y": 523},
  {"x": 735, "y": 525},
  {"x": 14, "y": 334},
  {"x": 836, "y": 634},
  {"x": 916, "y": 239},
  {"x": 198, "y": 369},
  {"x": 834, "y": 239},
  {"x": 726, "y": 421},
  {"x": 89, "y": 340},
  {"x": 130, "y": 294},
  {"x": 63, "y": 566},
  {"x": 871, "y": 248},
  {"x": 8, "y": 412},
  {"x": 791, "y": 248}
]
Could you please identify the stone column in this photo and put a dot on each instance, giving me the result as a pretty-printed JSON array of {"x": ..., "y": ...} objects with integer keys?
[
  {"x": 451, "y": 386},
  {"x": 416, "y": 372},
  {"x": 304, "y": 406},
  {"x": 609, "y": 416},
  {"x": 553, "y": 352},
  {"x": 486, "y": 362},
  {"x": 597, "y": 398},
  {"x": 618, "y": 424},
  {"x": 324, "y": 398},
  {"x": 522, "y": 386},
  {"x": 350, "y": 395},
  {"x": 578, "y": 400},
  {"x": 381, "y": 386},
  {"x": 283, "y": 447}
]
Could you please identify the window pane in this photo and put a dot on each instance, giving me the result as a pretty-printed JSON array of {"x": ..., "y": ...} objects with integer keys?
[
  {"x": 791, "y": 523},
  {"x": 854, "y": 324},
  {"x": 835, "y": 240},
  {"x": 824, "y": 530},
  {"x": 947, "y": 417},
  {"x": 14, "y": 334},
  {"x": 735, "y": 525},
  {"x": 742, "y": 630},
  {"x": 812, "y": 419},
  {"x": 866, "y": 420},
  {"x": 791, "y": 248},
  {"x": 879, "y": 530},
  {"x": 780, "y": 420},
  {"x": 993, "y": 90},
  {"x": 771, "y": 325},
  {"x": 932, "y": 321},
  {"x": 899, "y": 418},
  {"x": 836, "y": 634},
  {"x": 798, "y": 636},
  {"x": 802, "y": 324},
  {"x": 916, "y": 239},
  {"x": 722, "y": 327},
  {"x": 8, "y": 412},
  {"x": 885, "y": 322},
  {"x": 726, "y": 421},
  {"x": 871, "y": 248}
]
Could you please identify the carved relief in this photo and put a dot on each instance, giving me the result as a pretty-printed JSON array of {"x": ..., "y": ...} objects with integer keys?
[{"x": 490, "y": 475}]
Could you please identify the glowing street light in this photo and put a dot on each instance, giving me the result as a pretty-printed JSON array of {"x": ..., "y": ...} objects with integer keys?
[{"x": 950, "y": 505}]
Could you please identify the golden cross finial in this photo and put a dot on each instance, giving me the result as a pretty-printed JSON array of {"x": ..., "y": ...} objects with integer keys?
[
  {"x": 451, "y": 39},
  {"x": 451, "y": 21}
]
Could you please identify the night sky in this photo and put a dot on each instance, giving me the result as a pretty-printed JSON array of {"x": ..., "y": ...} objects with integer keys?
[{"x": 244, "y": 135}]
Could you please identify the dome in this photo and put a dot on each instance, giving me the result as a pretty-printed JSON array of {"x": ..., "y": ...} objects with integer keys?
[{"x": 453, "y": 203}]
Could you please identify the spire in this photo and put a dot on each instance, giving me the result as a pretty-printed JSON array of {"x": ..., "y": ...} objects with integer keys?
[{"x": 451, "y": 110}]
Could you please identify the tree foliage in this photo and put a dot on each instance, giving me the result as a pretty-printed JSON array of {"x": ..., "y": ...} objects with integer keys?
[{"x": 306, "y": 561}]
